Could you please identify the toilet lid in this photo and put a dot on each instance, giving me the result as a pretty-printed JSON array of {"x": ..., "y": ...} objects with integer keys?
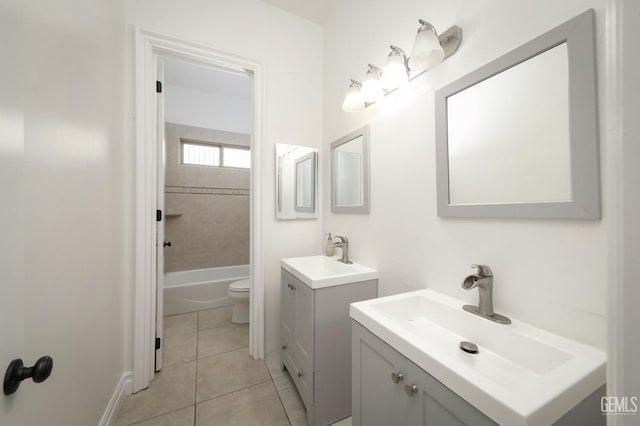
[{"x": 241, "y": 285}]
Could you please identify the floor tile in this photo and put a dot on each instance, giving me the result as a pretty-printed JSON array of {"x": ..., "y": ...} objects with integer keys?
[
  {"x": 274, "y": 365},
  {"x": 184, "y": 417},
  {"x": 179, "y": 349},
  {"x": 257, "y": 405},
  {"x": 212, "y": 341},
  {"x": 172, "y": 389},
  {"x": 291, "y": 400},
  {"x": 218, "y": 318},
  {"x": 345, "y": 422},
  {"x": 180, "y": 324},
  {"x": 228, "y": 372}
]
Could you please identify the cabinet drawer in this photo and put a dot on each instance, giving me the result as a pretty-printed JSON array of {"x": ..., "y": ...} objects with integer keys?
[{"x": 302, "y": 377}]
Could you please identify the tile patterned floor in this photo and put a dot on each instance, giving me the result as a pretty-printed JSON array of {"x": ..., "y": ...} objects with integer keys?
[{"x": 209, "y": 379}]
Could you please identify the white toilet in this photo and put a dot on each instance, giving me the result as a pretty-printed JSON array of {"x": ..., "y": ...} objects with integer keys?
[{"x": 238, "y": 292}]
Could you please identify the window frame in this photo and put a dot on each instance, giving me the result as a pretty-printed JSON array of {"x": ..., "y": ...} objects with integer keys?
[{"x": 220, "y": 146}]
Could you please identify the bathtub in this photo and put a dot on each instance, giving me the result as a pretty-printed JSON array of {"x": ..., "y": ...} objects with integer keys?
[{"x": 189, "y": 291}]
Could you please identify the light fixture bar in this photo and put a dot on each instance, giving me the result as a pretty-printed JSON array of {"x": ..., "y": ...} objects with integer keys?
[{"x": 449, "y": 40}]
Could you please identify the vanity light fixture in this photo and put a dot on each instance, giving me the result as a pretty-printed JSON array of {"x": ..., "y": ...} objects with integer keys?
[
  {"x": 353, "y": 102},
  {"x": 428, "y": 51},
  {"x": 396, "y": 71},
  {"x": 371, "y": 86}
]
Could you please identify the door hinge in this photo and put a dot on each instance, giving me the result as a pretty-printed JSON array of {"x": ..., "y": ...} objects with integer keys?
[
  {"x": 158, "y": 87},
  {"x": 158, "y": 340},
  {"x": 158, "y": 215}
]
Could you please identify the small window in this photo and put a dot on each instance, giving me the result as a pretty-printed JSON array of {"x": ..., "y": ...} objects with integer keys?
[
  {"x": 236, "y": 157},
  {"x": 200, "y": 154}
]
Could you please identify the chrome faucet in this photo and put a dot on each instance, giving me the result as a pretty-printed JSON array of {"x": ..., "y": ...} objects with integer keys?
[
  {"x": 344, "y": 245},
  {"x": 483, "y": 280}
]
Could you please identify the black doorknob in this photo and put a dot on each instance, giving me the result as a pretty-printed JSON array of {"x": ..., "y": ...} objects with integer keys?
[
  {"x": 17, "y": 372},
  {"x": 167, "y": 244}
]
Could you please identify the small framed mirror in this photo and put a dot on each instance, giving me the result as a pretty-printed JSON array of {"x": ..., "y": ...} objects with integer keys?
[
  {"x": 296, "y": 182},
  {"x": 350, "y": 179},
  {"x": 305, "y": 183},
  {"x": 518, "y": 137}
]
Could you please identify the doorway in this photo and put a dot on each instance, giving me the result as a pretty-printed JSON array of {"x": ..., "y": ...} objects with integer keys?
[{"x": 151, "y": 50}]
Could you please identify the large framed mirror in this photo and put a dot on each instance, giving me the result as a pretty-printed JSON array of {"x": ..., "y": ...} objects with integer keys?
[
  {"x": 350, "y": 191},
  {"x": 296, "y": 182},
  {"x": 519, "y": 136}
]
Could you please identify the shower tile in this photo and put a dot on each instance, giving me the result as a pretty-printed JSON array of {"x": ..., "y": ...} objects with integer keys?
[
  {"x": 228, "y": 372},
  {"x": 256, "y": 405},
  {"x": 175, "y": 325},
  {"x": 212, "y": 342},
  {"x": 173, "y": 388},
  {"x": 179, "y": 349},
  {"x": 218, "y": 318},
  {"x": 291, "y": 400},
  {"x": 184, "y": 417}
]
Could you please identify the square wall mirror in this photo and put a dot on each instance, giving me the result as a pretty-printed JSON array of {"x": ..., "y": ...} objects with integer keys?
[
  {"x": 296, "y": 182},
  {"x": 350, "y": 173},
  {"x": 519, "y": 136}
]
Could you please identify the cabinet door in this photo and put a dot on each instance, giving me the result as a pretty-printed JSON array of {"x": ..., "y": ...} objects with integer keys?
[
  {"x": 303, "y": 330},
  {"x": 377, "y": 400},
  {"x": 286, "y": 305},
  {"x": 433, "y": 404}
]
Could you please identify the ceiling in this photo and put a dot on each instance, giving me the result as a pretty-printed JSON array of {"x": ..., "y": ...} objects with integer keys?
[
  {"x": 317, "y": 11},
  {"x": 207, "y": 79}
]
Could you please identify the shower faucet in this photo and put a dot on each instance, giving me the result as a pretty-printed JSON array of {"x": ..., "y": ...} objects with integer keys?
[{"x": 483, "y": 281}]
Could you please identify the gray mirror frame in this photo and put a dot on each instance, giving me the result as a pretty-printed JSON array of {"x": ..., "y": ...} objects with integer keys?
[
  {"x": 310, "y": 156},
  {"x": 366, "y": 178},
  {"x": 579, "y": 34}
]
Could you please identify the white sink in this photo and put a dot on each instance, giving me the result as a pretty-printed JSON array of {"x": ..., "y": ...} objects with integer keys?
[
  {"x": 322, "y": 271},
  {"x": 521, "y": 375}
]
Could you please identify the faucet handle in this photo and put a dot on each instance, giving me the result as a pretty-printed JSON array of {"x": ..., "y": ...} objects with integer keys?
[
  {"x": 343, "y": 239},
  {"x": 483, "y": 270}
]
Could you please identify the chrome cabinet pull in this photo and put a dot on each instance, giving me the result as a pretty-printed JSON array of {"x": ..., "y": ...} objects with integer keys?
[
  {"x": 411, "y": 389},
  {"x": 397, "y": 377}
]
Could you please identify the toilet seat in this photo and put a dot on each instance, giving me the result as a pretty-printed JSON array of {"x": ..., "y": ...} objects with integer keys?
[{"x": 240, "y": 286}]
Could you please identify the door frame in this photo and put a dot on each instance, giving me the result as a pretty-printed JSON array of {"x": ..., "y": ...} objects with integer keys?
[{"x": 148, "y": 47}]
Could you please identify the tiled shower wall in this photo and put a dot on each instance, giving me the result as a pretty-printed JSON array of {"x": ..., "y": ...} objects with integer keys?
[{"x": 206, "y": 208}]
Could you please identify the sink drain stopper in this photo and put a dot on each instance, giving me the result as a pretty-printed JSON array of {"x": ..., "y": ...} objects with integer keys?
[{"x": 469, "y": 347}]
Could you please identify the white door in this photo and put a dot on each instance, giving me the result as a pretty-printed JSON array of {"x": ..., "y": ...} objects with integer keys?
[
  {"x": 11, "y": 247},
  {"x": 160, "y": 243}
]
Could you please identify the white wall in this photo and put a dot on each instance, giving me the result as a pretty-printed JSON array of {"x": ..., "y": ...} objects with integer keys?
[
  {"x": 551, "y": 273},
  {"x": 206, "y": 109},
  {"x": 290, "y": 49},
  {"x": 76, "y": 212}
]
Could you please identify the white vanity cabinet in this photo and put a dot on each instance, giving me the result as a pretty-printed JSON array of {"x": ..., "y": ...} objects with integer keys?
[
  {"x": 316, "y": 343},
  {"x": 388, "y": 389}
]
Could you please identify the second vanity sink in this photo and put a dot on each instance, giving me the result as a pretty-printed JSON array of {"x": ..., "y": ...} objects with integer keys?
[
  {"x": 521, "y": 375},
  {"x": 322, "y": 271}
]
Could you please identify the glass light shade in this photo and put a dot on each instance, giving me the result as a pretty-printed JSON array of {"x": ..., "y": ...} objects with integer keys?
[
  {"x": 427, "y": 51},
  {"x": 353, "y": 101},
  {"x": 371, "y": 86},
  {"x": 395, "y": 71}
]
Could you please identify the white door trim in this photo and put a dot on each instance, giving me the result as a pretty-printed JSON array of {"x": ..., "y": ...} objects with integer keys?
[
  {"x": 621, "y": 65},
  {"x": 148, "y": 46}
]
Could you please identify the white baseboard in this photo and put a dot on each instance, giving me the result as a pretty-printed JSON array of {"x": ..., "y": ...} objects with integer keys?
[{"x": 123, "y": 388}]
